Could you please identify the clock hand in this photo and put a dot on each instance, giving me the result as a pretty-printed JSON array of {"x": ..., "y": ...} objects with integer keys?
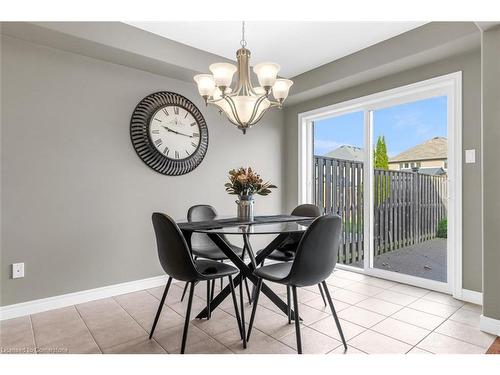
[{"x": 176, "y": 132}]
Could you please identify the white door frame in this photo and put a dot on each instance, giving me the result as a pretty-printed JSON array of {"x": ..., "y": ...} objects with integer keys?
[{"x": 449, "y": 85}]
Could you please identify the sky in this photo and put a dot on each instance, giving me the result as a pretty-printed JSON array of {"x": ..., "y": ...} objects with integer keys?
[{"x": 403, "y": 126}]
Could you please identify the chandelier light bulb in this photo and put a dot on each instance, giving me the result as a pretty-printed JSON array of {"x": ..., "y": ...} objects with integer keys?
[
  {"x": 245, "y": 106},
  {"x": 223, "y": 74},
  {"x": 206, "y": 84},
  {"x": 259, "y": 90},
  {"x": 266, "y": 73},
  {"x": 281, "y": 88}
]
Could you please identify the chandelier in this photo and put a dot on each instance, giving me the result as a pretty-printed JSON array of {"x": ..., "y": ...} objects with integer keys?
[{"x": 244, "y": 105}]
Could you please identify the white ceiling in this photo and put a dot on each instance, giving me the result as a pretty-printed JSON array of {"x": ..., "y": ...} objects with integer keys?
[{"x": 296, "y": 46}]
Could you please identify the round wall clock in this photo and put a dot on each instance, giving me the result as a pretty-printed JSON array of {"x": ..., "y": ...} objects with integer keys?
[{"x": 169, "y": 133}]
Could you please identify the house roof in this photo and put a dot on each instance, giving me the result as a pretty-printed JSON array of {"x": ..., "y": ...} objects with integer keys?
[
  {"x": 434, "y": 148},
  {"x": 432, "y": 171},
  {"x": 346, "y": 152}
]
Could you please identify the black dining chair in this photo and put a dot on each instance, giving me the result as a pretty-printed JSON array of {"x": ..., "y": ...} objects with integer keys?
[
  {"x": 177, "y": 262},
  {"x": 286, "y": 251},
  {"x": 203, "y": 247},
  {"x": 314, "y": 261}
]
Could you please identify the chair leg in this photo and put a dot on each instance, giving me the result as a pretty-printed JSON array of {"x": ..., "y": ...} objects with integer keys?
[
  {"x": 289, "y": 303},
  {"x": 221, "y": 280},
  {"x": 334, "y": 313},
  {"x": 244, "y": 279},
  {"x": 254, "y": 290},
  {"x": 188, "y": 315},
  {"x": 248, "y": 291},
  {"x": 158, "y": 313},
  {"x": 209, "y": 298},
  {"x": 254, "y": 309},
  {"x": 213, "y": 290},
  {"x": 233, "y": 294},
  {"x": 297, "y": 319},
  {"x": 184, "y": 291},
  {"x": 322, "y": 294},
  {"x": 186, "y": 287},
  {"x": 242, "y": 308}
]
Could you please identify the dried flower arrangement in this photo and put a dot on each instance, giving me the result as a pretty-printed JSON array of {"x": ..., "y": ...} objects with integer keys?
[{"x": 244, "y": 182}]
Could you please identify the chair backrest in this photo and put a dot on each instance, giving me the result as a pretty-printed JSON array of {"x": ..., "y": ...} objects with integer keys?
[
  {"x": 316, "y": 254},
  {"x": 173, "y": 251},
  {"x": 201, "y": 212},
  {"x": 309, "y": 210}
]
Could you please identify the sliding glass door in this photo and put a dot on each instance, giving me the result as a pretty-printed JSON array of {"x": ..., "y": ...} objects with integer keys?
[
  {"x": 389, "y": 165},
  {"x": 410, "y": 188},
  {"x": 339, "y": 151}
]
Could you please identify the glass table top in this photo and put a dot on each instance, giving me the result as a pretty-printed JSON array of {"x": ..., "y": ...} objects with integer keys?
[
  {"x": 271, "y": 224},
  {"x": 272, "y": 228}
]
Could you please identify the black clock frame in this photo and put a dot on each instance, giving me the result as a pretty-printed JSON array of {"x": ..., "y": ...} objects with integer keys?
[{"x": 141, "y": 139}]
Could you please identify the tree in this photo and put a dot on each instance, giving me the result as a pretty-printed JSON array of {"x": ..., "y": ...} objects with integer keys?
[{"x": 381, "y": 160}]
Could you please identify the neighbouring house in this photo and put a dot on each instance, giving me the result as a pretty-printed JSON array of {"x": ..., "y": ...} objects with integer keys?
[
  {"x": 430, "y": 157},
  {"x": 346, "y": 152}
]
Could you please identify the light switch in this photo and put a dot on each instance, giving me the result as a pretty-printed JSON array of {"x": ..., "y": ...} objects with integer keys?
[{"x": 470, "y": 156}]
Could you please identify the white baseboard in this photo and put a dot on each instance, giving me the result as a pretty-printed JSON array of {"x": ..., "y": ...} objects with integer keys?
[
  {"x": 45, "y": 304},
  {"x": 472, "y": 297},
  {"x": 489, "y": 325},
  {"x": 50, "y": 303}
]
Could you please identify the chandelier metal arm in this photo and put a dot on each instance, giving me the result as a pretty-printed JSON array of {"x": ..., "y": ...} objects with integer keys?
[
  {"x": 273, "y": 103},
  {"x": 256, "y": 108},
  {"x": 234, "y": 111}
]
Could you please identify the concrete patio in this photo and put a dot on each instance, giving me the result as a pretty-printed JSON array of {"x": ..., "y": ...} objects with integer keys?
[{"x": 426, "y": 260}]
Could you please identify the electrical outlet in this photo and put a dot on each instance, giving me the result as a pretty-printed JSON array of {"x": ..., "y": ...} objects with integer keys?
[{"x": 17, "y": 270}]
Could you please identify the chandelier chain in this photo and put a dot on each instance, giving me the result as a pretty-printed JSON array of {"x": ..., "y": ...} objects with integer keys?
[{"x": 243, "y": 42}]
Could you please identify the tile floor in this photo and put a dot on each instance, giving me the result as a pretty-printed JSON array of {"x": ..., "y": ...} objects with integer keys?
[{"x": 378, "y": 316}]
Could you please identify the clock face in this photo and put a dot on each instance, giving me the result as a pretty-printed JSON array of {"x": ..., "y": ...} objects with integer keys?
[
  {"x": 174, "y": 132},
  {"x": 169, "y": 133}
]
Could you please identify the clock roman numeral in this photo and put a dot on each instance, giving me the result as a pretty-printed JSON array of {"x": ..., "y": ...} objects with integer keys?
[
  {"x": 177, "y": 154},
  {"x": 186, "y": 115},
  {"x": 157, "y": 119},
  {"x": 166, "y": 112},
  {"x": 193, "y": 124},
  {"x": 155, "y": 131},
  {"x": 176, "y": 110},
  {"x": 187, "y": 152},
  {"x": 194, "y": 144},
  {"x": 196, "y": 135},
  {"x": 158, "y": 142},
  {"x": 166, "y": 150}
]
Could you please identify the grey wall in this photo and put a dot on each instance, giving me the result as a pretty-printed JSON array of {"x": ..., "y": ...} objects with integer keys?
[
  {"x": 491, "y": 178},
  {"x": 76, "y": 200},
  {"x": 470, "y": 65}
]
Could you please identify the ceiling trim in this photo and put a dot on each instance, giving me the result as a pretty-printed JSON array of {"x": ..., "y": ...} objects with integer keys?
[
  {"x": 118, "y": 43},
  {"x": 426, "y": 44}
]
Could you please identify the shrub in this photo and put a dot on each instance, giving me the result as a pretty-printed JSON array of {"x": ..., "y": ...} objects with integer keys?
[{"x": 442, "y": 229}]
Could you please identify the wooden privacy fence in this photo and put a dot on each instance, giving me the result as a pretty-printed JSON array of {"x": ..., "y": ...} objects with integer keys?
[{"x": 407, "y": 205}]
